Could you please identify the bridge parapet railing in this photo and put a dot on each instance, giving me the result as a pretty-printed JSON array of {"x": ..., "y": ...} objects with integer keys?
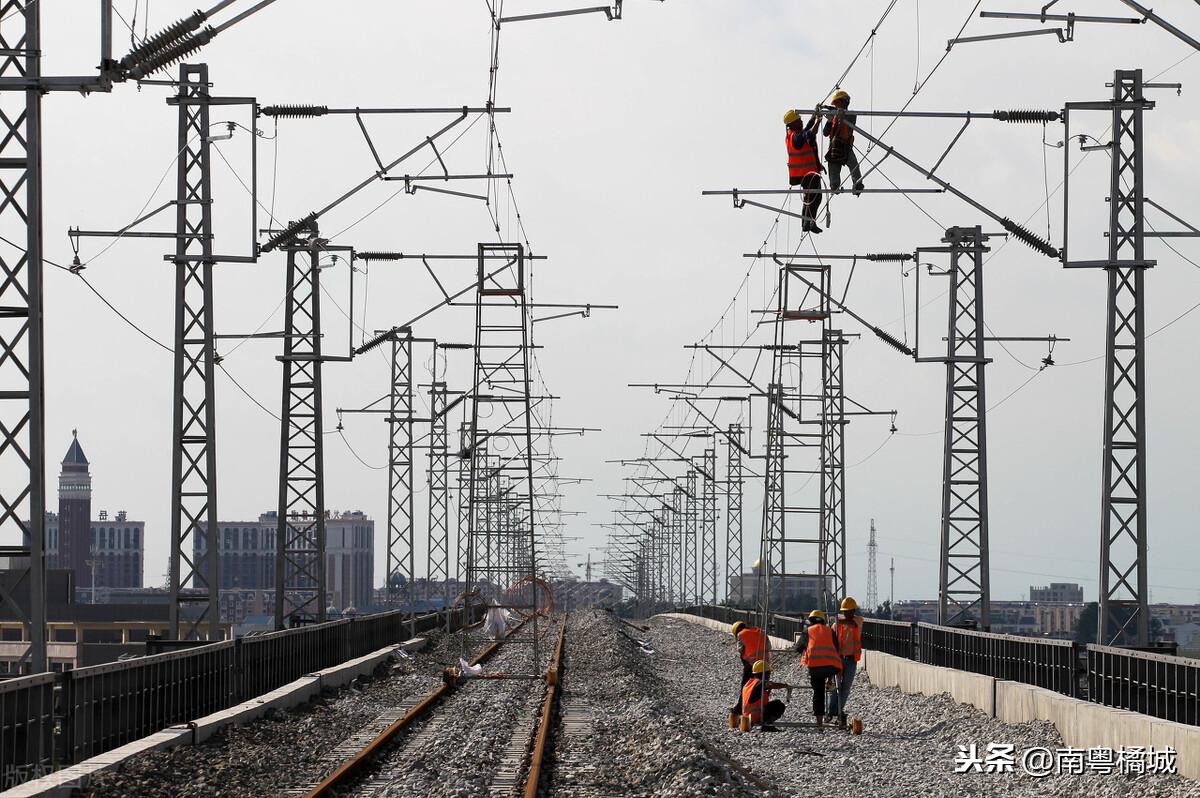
[
  {"x": 1159, "y": 685},
  {"x": 106, "y": 706},
  {"x": 1042, "y": 662},
  {"x": 897, "y": 638},
  {"x": 26, "y": 726},
  {"x": 101, "y": 707}
]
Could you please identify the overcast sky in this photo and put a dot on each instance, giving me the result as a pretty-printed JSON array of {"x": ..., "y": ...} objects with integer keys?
[{"x": 615, "y": 130}]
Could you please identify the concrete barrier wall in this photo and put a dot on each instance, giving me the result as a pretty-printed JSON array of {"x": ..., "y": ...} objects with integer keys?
[
  {"x": 887, "y": 670},
  {"x": 1081, "y": 724}
]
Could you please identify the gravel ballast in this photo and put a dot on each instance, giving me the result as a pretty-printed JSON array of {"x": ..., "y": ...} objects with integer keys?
[
  {"x": 285, "y": 748},
  {"x": 909, "y": 743},
  {"x": 635, "y": 743}
]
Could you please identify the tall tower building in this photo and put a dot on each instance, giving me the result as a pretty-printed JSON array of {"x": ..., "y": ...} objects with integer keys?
[{"x": 75, "y": 513}]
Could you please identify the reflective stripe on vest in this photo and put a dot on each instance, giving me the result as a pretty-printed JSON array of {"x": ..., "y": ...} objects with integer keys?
[
  {"x": 820, "y": 649},
  {"x": 801, "y": 161},
  {"x": 754, "y": 643},
  {"x": 849, "y": 639},
  {"x": 754, "y": 708}
]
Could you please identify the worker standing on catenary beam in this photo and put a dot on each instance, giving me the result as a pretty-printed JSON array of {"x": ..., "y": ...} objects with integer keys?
[
  {"x": 752, "y": 645},
  {"x": 848, "y": 629},
  {"x": 804, "y": 164},
  {"x": 841, "y": 143},
  {"x": 820, "y": 646}
]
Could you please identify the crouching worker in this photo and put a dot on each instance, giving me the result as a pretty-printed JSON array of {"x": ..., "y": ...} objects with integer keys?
[
  {"x": 820, "y": 656},
  {"x": 756, "y": 697}
]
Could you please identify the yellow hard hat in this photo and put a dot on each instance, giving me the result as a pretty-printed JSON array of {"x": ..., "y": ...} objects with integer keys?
[
  {"x": 791, "y": 115},
  {"x": 818, "y": 615},
  {"x": 761, "y": 666},
  {"x": 737, "y": 627},
  {"x": 839, "y": 95},
  {"x": 848, "y": 603}
]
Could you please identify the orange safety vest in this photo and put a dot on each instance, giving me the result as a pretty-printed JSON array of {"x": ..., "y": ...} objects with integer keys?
[
  {"x": 849, "y": 639},
  {"x": 840, "y": 132},
  {"x": 801, "y": 161},
  {"x": 754, "y": 708},
  {"x": 820, "y": 649},
  {"x": 754, "y": 644}
]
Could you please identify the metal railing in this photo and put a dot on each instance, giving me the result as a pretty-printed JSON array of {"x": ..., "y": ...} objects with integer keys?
[
  {"x": 1153, "y": 684},
  {"x": 105, "y": 706},
  {"x": 1041, "y": 662},
  {"x": 897, "y": 638},
  {"x": 26, "y": 726}
]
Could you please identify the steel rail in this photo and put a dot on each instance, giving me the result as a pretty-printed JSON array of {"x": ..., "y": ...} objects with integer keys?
[
  {"x": 553, "y": 691},
  {"x": 351, "y": 766}
]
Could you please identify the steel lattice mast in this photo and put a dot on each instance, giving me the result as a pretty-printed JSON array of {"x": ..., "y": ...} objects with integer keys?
[
  {"x": 963, "y": 588},
  {"x": 300, "y": 544},
  {"x": 872, "y": 580},
  {"x": 22, "y": 407},
  {"x": 771, "y": 548},
  {"x": 708, "y": 529},
  {"x": 833, "y": 471},
  {"x": 691, "y": 539},
  {"x": 195, "y": 569},
  {"x": 400, "y": 554},
  {"x": 733, "y": 514},
  {"x": 1124, "y": 606},
  {"x": 438, "y": 548}
]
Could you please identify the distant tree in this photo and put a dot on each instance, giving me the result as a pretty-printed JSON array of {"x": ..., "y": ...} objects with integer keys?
[
  {"x": 884, "y": 611},
  {"x": 1085, "y": 630}
]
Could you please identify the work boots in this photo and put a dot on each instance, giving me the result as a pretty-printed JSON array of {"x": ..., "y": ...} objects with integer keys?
[{"x": 810, "y": 226}]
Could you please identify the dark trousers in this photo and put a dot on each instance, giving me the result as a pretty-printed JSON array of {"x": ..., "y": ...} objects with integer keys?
[
  {"x": 817, "y": 677},
  {"x": 747, "y": 674},
  {"x": 772, "y": 711},
  {"x": 812, "y": 194},
  {"x": 835, "y": 170}
]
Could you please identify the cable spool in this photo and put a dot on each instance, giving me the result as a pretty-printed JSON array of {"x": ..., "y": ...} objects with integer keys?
[
  {"x": 163, "y": 39},
  {"x": 1030, "y": 238},
  {"x": 176, "y": 52},
  {"x": 891, "y": 341},
  {"x": 288, "y": 233},
  {"x": 890, "y": 257},
  {"x": 294, "y": 111},
  {"x": 1026, "y": 117}
]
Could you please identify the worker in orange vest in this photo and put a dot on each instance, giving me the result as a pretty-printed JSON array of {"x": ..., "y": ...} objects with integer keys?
[
  {"x": 841, "y": 143},
  {"x": 756, "y": 697},
  {"x": 752, "y": 645},
  {"x": 820, "y": 646},
  {"x": 848, "y": 631},
  {"x": 804, "y": 164}
]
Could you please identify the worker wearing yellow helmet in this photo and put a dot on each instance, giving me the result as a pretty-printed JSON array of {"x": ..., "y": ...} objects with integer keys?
[
  {"x": 752, "y": 645},
  {"x": 848, "y": 631},
  {"x": 804, "y": 163},
  {"x": 756, "y": 697},
  {"x": 820, "y": 646},
  {"x": 841, "y": 142}
]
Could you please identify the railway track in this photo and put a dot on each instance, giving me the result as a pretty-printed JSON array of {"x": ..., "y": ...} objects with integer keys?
[{"x": 491, "y": 737}]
